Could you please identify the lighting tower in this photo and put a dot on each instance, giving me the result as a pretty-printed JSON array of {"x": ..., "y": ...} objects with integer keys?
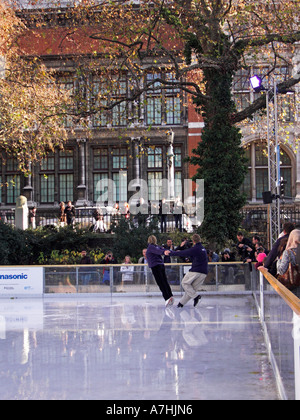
[{"x": 273, "y": 159}]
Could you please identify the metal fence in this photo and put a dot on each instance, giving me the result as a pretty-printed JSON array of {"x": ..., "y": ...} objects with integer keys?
[
  {"x": 138, "y": 278},
  {"x": 256, "y": 220},
  {"x": 253, "y": 220}
]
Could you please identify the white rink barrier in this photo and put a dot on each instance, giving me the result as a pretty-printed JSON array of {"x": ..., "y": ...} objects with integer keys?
[{"x": 21, "y": 281}]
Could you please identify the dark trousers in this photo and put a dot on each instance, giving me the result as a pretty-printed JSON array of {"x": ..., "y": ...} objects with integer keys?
[{"x": 159, "y": 274}]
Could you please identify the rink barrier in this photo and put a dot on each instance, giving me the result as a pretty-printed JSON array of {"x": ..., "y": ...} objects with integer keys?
[
  {"x": 286, "y": 339},
  {"x": 100, "y": 278}
]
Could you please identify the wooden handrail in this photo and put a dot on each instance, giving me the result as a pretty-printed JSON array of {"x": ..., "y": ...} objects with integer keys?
[{"x": 286, "y": 294}]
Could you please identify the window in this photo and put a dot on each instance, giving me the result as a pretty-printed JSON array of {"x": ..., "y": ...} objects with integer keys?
[
  {"x": 13, "y": 188},
  {"x": 67, "y": 84},
  {"x": 66, "y": 176},
  {"x": 99, "y": 103},
  {"x": 13, "y": 180},
  {"x": 154, "y": 100},
  {"x": 286, "y": 173},
  {"x": 261, "y": 169},
  {"x": 173, "y": 108},
  {"x": 120, "y": 183},
  {"x": 256, "y": 179},
  {"x": 110, "y": 174},
  {"x": 66, "y": 187},
  {"x": 154, "y": 157},
  {"x": 119, "y": 158},
  {"x": 155, "y": 172},
  {"x": 154, "y": 186},
  {"x": 66, "y": 160},
  {"x": 47, "y": 183},
  {"x": 119, "y": 111},
  {"x": 47, "y": 179},
  {"x": 100, "y": 159},
  {"x": 178, "y": 184},
  {"x": 119, "y": 163},
  {"x": 163, "y": 102},
  {"x": 177, "y": 157},
  {"x": 100, "y": 175},
  {"x": 100, "y": 182}
]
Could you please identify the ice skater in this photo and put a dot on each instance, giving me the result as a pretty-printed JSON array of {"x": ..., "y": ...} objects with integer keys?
[
  {"x": 197, "y": 274},
  {"x": 155, "y": 262}
]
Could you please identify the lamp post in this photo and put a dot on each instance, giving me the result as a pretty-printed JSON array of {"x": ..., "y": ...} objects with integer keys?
[{"x": 273, "y": 160}]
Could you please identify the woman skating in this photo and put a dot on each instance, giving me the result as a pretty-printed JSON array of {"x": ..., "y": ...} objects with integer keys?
[{"x": 155, "y": 262}]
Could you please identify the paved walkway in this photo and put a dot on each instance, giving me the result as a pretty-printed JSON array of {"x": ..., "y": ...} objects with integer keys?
[{"x": 130, "y": 348}]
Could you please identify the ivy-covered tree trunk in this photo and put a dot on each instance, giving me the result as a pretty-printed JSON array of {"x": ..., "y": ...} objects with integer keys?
[{"x": 221, "y": 161}]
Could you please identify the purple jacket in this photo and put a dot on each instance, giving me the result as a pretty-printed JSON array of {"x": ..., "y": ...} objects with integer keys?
[
  {"x": 198, "y": 255},
  {"x": 153, "y": 255}
]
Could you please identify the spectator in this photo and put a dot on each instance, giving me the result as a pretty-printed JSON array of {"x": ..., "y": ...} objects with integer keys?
[
  {"x": 256, "y": 242},
  {"x": 260, "y": 258},
  {"x": 62, "y": 214},
  {"x": 229, "y": 270},
  {"x": 85, "y": 272},
  {"x": 99, "y": 224},
  {"x": 108, "y": 260},
  {"x": 170, "y": 247},
  {"x": 127, "y": 270},
  {"x": 290, "y": 255},
  {"x": 227, "y": 256},
  {"x": 185, "y": 244},
  {"x": 70, "y": 213},
  {"x": 32, "y": 215},
  {"x": 245, "y": 248},
  {"x": 272, "y": 257},
  {"x": 143, "y": 271}
]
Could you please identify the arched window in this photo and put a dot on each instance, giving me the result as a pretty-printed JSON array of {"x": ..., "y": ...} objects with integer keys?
[{"x": 256, "y": 179}]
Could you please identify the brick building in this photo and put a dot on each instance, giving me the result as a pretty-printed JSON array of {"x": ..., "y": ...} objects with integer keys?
[{"x": 139, "y": 140}]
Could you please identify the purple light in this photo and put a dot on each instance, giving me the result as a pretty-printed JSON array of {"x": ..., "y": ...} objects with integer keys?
[{"x": 256, "y": 82}]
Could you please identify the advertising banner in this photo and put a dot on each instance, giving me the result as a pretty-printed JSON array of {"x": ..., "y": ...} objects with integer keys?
[{"x": 21, "y": 281}]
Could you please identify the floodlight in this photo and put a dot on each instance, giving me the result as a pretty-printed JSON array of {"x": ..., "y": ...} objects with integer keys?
[{"x": 256, "y": 83}]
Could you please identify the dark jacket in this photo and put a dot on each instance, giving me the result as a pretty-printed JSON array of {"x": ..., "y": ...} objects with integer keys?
[
  {"x": 198, "y": 256},
  {"x": 154, "y": 255},
  {"x": 273, "y": 254},
  {"x": 85, "y": 260}
]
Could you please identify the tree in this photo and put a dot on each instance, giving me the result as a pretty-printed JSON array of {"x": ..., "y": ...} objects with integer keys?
[
  {"x": 32, "y": 106},
  {"x": 218, "y": 38},
  {"x": 204, "y": 42}
]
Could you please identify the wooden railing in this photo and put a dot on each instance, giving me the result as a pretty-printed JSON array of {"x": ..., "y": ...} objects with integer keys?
[{"x": 289, "y": 297}]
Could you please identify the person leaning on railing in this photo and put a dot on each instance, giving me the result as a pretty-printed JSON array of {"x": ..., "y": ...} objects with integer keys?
[
  {"x": 271, "y": 262},
  {"x": 290, "y": 255}
]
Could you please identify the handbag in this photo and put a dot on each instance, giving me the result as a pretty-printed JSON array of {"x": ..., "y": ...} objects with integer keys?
[{"x": 291, "y": 278}]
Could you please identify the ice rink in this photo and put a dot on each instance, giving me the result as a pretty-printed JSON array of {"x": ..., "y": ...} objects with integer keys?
[{"x": 130, "y": 348}]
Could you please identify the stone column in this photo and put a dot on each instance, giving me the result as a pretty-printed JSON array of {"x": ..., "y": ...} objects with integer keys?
[
  {"x": 81, "y": 188},
  {"x": 171, "y": 171},
  {"x": 21, "y": 213}
]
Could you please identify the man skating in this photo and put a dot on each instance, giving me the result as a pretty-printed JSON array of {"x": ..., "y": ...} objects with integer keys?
[{"x": 197, "y": 274}]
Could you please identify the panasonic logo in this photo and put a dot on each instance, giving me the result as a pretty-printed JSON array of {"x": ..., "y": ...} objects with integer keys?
[{"x": 13, "y": 276}]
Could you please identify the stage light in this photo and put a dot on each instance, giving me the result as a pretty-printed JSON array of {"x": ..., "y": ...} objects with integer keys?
[{"x": 256, "y": 83}]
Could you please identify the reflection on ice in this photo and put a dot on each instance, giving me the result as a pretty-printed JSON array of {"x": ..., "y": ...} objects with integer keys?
[{"x": 131, "y": 348}]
